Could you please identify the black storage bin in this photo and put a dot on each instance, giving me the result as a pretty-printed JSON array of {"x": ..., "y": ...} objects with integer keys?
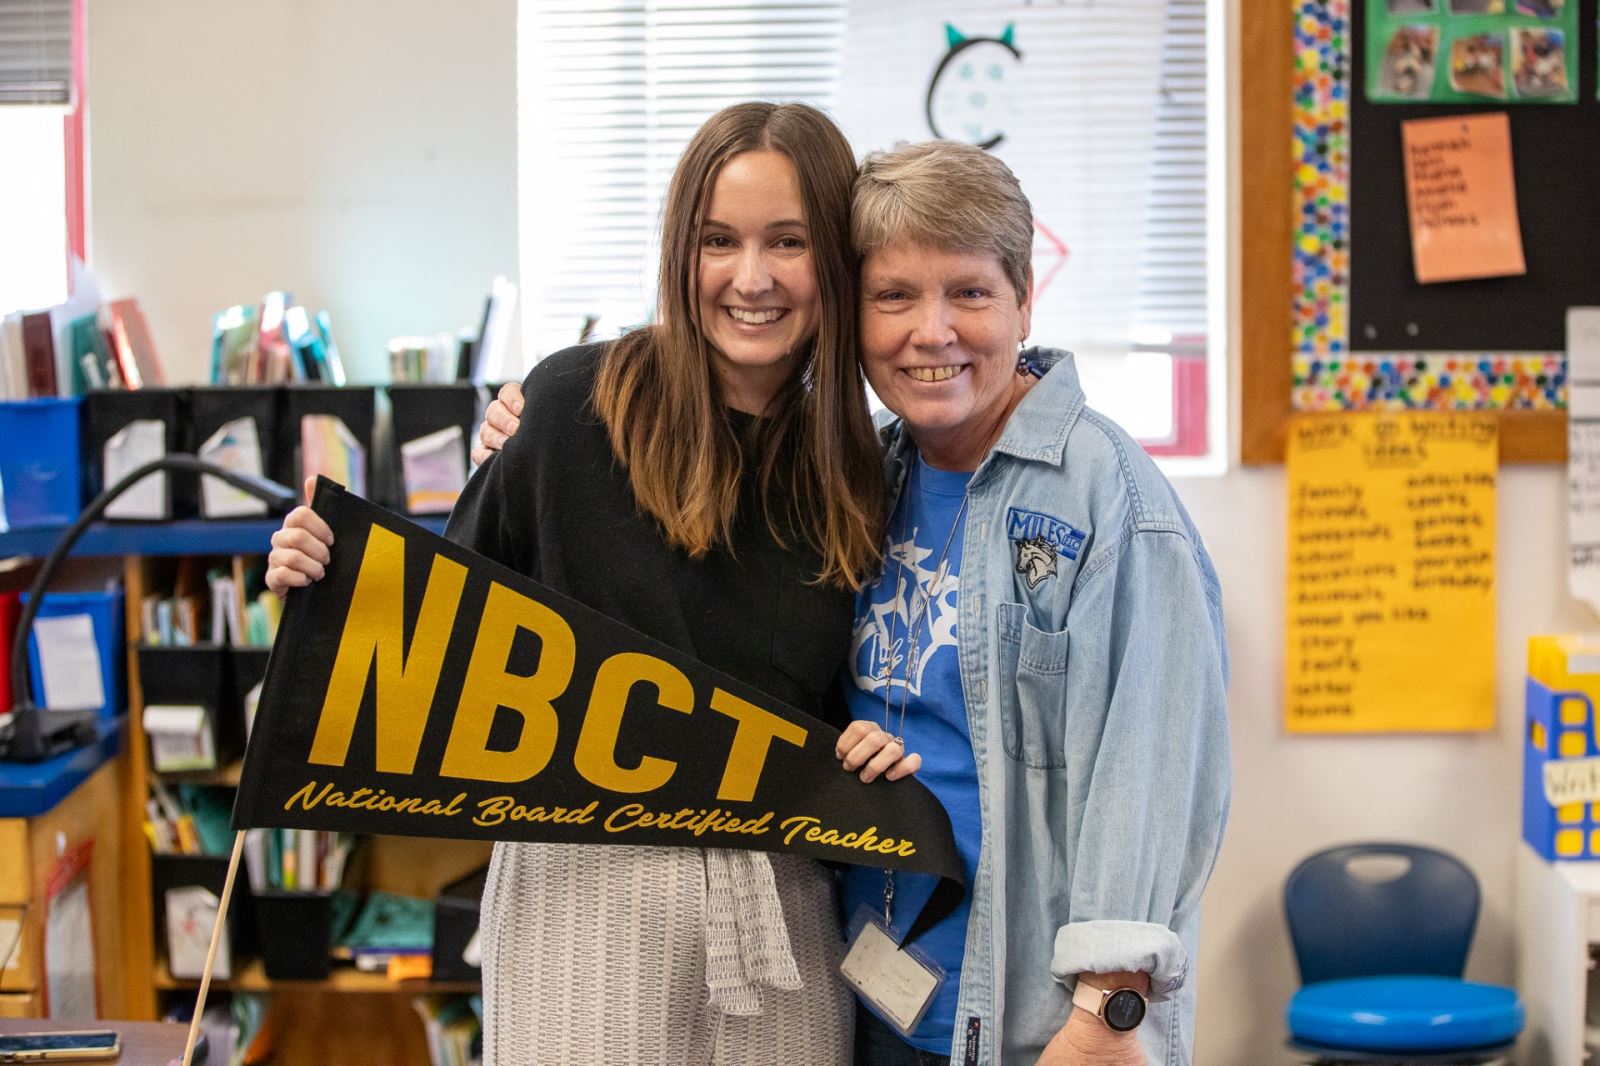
[
  {"x": 352, "y": 404},
  {"x": 296, "y": 934},
  {"x": 215, "y": 406},
  {"x": 108, "y": 411},
  {"x": 455, "y": 921},
  {"x": 248, "y": 669},
  {"x": 419, "y": 410},
  {"x": 197, "y": 676},
  {"x": 210, "y": 872}
]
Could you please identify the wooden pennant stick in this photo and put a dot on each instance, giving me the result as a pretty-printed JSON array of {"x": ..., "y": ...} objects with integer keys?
[{"x": 211, "y": 955}]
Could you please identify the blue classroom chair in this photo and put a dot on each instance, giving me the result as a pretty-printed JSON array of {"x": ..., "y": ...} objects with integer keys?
[{"x": 1381, "y": 934}]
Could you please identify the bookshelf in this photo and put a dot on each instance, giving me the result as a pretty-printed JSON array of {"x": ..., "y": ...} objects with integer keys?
[
  {"x": 252, "y": 978},
  {"x": 350, "y": 1016},
  {"x": 184, "y": 537}
]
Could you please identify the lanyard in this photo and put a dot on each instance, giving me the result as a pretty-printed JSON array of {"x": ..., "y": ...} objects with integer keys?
[{"x": 918, "y": 607}]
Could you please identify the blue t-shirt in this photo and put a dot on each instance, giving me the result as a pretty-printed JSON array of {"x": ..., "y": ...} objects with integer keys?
[{"x": 935, "y": 712}]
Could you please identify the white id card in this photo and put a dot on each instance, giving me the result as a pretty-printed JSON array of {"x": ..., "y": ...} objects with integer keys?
[{"x": 899, "y": 983}]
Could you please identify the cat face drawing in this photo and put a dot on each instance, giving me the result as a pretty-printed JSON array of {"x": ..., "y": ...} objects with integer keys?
[{"x": 972, "y": 95}]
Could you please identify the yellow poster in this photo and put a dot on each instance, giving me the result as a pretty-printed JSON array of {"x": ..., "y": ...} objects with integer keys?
[{"x": 1390, "y": 620}]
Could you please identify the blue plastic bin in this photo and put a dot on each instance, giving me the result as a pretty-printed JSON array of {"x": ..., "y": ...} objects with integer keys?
[
  {"x": 104, "y": 611},
  {"x": 41, "y": 475}
]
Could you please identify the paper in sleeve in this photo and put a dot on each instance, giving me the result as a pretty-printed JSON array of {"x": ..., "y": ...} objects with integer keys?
[
  {"x": 132, "y": 446},
  {"x": 69, "y": 663},
  {"x": 435, "y": 471},
  {"x": 70, "y": 986},
  {"x": 236, "y": 446},
  {"x": 180, "y": 738},
  {"x": 328, "y": 449},
  {"x": 1583, "y": 454},
  {"x": 191, "y": 914}
]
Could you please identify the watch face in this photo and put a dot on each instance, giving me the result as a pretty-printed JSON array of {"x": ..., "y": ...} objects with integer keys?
[{"x": 1124, "y": 1009}]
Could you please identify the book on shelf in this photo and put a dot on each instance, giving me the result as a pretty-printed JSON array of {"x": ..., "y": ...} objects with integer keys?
[
  {"x": 454, "y": 1027},
  {"x": 39, "y": 352},
  {"x": 13, "y": 363},
  {"x": 132, "y": 345}
]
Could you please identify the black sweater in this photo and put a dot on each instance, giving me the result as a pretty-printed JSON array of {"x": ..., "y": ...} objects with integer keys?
[{"x": 556, "y": 506}]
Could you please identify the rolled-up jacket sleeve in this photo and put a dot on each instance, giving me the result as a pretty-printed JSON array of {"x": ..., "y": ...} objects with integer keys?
[{"x": 1147, "y": 714}]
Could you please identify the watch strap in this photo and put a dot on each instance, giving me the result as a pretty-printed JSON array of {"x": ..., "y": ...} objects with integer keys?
[
  {"x": 1095, "y": 1000},
  {"x": 1090, "y": 998}
]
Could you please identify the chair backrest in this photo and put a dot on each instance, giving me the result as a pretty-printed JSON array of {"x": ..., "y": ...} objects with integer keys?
[{"x": 1344, "y": 924}]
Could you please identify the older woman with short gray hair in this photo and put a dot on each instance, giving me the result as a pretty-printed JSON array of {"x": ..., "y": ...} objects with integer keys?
[{"x": 1046, "y": 633}]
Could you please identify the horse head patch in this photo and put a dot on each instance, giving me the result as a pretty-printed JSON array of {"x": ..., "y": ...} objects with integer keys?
[
  {"x": 1039, "y": 539},
  {"x": 1036, "y": 560}
]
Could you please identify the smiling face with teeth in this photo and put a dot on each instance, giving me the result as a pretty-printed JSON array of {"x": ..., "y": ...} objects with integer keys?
[
  {"x": 757, "y": 296},
  {"x": 939, "y": 336}
]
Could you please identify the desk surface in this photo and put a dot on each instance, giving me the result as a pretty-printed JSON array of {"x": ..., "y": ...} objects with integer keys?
[
  {"x": 143, "y": 1043},
  {"x": 27, "y": 790}
]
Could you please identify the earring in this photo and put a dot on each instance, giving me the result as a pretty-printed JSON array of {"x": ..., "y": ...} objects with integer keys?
[{"x": 1025, "y": 364}]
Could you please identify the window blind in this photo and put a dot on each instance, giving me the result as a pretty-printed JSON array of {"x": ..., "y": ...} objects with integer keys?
[
  {"x": 36, "y": 52},
  {"x": 610, "y": 91},
  {"x": 1172, "y": 261}
]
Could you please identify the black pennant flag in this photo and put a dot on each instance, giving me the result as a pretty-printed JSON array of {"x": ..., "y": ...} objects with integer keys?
[{"x": 423, "y": 690}]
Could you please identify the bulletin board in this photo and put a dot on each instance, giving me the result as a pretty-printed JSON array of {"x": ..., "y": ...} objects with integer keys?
[
  {"x": 1488, "y": 344},
  {"x": 1364, "y": 334}
]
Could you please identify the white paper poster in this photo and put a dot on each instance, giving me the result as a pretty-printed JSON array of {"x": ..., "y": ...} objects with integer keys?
[
  {"x": 1065, "y": 93},
  {"x": 1583, "y": 454}
]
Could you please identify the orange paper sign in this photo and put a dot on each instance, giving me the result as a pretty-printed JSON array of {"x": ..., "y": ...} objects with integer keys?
[{"x": 1462, "y": 198}]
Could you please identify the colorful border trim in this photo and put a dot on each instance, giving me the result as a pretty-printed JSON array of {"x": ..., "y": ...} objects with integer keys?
[
  {"x": 1327, "y": 375},
  {"x": 1440, "y": 381}
]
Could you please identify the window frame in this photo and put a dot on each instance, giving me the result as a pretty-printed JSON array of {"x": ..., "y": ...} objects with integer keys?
[{"x": 1200, "y": 443}]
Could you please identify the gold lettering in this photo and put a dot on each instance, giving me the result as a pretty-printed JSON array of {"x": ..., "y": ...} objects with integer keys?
[
  {"x": 596, "y": 757},
  {"x": 630, "y": 813},
  {"x": 364, "y": 799},
  {"x": 799, "y": 821},
  {"x": 751, "y": 743},
  {"x": 374, "y": 638},
  {"x": 813, "y": 832},
  {"x": 489, "y": 687},
  {"x": 304, "y": 798},
  {"x": 498, "y": 809}
]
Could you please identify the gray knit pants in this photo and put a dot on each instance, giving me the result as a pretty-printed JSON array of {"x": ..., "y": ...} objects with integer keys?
[{"x": 597, "y": 954}]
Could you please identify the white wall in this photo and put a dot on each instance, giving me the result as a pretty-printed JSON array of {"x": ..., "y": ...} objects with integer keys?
[
  {"x": 361, "y": 154},
  {"x": 1294, "y": 795}
]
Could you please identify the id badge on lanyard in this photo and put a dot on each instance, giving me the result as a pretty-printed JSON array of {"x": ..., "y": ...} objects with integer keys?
[{"x": 898, "y": 983}]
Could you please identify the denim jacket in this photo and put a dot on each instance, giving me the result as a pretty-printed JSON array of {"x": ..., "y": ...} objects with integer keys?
[{"x": 1094, "y": 669}]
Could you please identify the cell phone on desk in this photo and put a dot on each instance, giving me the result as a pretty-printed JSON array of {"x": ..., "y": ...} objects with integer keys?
[{"x": 84, "y": 1045}]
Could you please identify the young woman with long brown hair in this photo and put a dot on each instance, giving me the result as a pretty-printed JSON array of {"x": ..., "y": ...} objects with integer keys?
[{"x": 713, "y": 481}]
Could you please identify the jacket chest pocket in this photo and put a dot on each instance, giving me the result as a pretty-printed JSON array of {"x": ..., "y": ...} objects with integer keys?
[{"x": 1033, "y": 676}]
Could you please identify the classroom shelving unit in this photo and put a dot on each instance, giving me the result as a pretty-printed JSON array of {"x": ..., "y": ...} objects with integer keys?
[{"x": 348, "y": 1017}]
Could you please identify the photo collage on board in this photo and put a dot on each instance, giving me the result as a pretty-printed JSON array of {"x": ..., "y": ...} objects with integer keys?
[{"x": 1471, "y": 51}]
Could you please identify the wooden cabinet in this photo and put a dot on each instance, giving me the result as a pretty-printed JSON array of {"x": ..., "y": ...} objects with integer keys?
[{"x": 30, "y": 848}]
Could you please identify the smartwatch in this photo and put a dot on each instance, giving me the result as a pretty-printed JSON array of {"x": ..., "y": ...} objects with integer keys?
[{"x": 1122, "y": 1009}]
